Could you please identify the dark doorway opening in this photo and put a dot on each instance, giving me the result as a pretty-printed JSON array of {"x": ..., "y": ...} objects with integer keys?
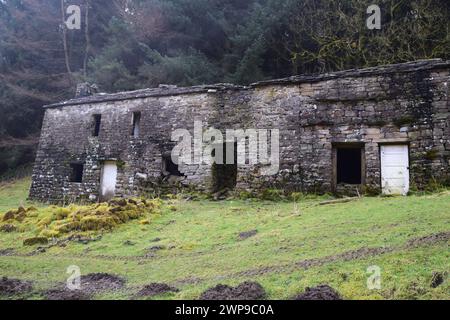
[
  {"x": 225, "y": 172},
  {"x": 349, "y": 165},
  {"x": 170, "y": 168},
  {"x": 76, "y": 174}
]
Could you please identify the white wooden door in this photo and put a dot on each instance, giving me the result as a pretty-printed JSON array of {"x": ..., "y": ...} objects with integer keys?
[
  {"x": 108, "y": 181},
  {"x": 395, "y": 169}
]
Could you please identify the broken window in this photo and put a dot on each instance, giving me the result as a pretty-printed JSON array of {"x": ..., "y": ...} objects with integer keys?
[
  {"x": 136, "y": 124},
  {"x": 76, "y": 174},
  {"x": 170, "y": 168},
  {"x": 225, "y": 173},
  {"x": 349, "y": 164},
  {"x": 97, "y": 122}
]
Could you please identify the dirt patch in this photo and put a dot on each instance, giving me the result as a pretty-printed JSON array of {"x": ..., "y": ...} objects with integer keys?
[
  {"x": 77, "y": 238},
  {"x": 247, "y": 234},
  {"x": 7, "y": 252},
  {"x": 8, "y": 228},
  {"x": 437, "y": 279},
  {"x": 322, "y": 292},
  {"x": 245, "y": 291},
  {"x": 63, "y": 242},
  {"x": 129, "y": 243},
  {"x": 155, "y": 289},
  {"x": 89, "y": 285},
  {"x": 428, "y": 240},
  {"x": 156, "y": 248},
  {"x": 81, "y": 239},
  {"x": 12, "y": 287},
  {"x": 345, "y": 256},
  {"x": 65, "y": 294},
  {"x": 95, "y": 282}
]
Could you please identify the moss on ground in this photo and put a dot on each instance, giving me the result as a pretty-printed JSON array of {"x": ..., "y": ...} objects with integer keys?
[{"x": 53, "y": 221}]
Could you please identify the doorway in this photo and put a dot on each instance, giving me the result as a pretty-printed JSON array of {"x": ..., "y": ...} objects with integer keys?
[
  {"x": 108, "y": 180},
  {"x": 395, "y": 169},
  {"x": 224, "y": 171},
  {"x": 348, "y": 165}
]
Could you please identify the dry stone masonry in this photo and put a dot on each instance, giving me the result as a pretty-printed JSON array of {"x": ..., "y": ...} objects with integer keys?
[{"x": 343, "y": 132}]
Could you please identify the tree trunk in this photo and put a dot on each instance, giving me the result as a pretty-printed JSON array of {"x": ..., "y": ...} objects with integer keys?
[
  {"x": 64, "y": 36},
  {"x": 88, "y": 40}
]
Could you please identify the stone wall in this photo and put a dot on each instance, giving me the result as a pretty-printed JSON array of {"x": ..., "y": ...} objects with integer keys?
[{"x": 405, "y": 103}]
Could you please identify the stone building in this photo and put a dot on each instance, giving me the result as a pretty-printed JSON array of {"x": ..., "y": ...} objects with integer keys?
[{"x": 383, "y": 129}]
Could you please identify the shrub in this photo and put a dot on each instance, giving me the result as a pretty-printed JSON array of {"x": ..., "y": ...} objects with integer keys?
[
  {"x": 272, "y": 195},
  {"x": 403, "y": 121}
]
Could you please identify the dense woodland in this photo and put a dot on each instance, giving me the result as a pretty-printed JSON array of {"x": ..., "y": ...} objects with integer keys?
[{"x": 131, "y": 44}]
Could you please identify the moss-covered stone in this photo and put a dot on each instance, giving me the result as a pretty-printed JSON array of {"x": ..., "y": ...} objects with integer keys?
[
  {"x": 19, "y": 215},
  {"x": 272, "y": 195},
  {"x": 96, "y": 217},
  {"x": 403, "y": 121},
  {"x": 9, "y": 215},
  {"x": 432, "y": 155},
  {"x": 35, "y": 241},
  {"x": 8, "y": 228}
]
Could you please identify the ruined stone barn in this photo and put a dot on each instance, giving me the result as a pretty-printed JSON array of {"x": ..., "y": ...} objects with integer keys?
[{"x": 382, "y": 129}]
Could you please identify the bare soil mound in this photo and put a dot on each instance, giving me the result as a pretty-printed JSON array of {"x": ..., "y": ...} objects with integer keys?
[
  {"x": 95, "y": 282},
  {"x": 8, "y": 228},
  {"x": 11, "y": 287},
  {"x": 322, "y": 292},
  {"x": 155, "y": 289},
  {"x": 248, "y": 234},
  {"x": 65, "y": 294},
  {"x": 428, "y": 240},
  {"x": 7, "y": 252},
  {"x": 89, "y": 285},
  {"x": 437, "y": 279},
  {"x": 245, "y": 291}
]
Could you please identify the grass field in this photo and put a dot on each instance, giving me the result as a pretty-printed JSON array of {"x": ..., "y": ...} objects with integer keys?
[{"x": 297, "y": 245}]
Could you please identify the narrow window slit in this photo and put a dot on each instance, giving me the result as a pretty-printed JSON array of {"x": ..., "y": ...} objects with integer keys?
[
  {"x": 97, "y": 123},
  {"x": 136, "y": 124}
]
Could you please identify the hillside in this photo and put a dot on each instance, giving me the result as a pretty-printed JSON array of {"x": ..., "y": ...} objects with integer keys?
[{"x": 284, "y": 246}]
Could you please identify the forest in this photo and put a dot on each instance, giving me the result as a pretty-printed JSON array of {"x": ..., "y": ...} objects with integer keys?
[{"x": 132, "y": 44}]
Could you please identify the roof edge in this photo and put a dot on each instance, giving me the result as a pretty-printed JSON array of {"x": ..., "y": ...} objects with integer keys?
[
  {"x": 169, "y": 90},
  {"x": 406, "y": 67}
]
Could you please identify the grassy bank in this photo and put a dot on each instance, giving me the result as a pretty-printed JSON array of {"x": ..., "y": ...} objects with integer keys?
[{"x": 286, "y": 247}]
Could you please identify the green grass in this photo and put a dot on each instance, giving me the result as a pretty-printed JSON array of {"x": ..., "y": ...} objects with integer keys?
[
  {"x": 13, "y": 194},
  {"x": 201, "y": 247}
]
